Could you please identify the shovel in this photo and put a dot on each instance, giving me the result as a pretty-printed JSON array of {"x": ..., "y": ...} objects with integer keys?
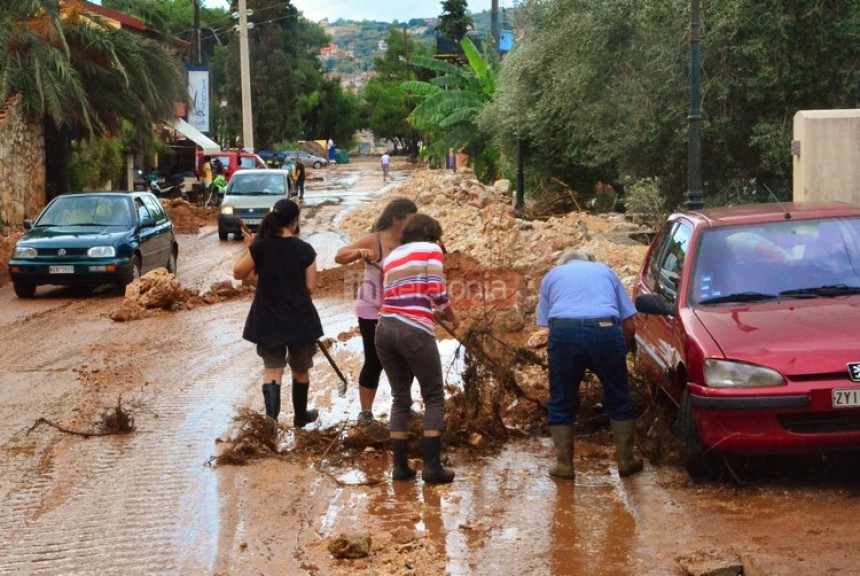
[{"x": 344, "y": 383}]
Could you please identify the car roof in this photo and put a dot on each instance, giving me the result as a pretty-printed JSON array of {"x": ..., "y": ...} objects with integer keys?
[
  {"x": 252, "y": 171},
  {"x": 771, "y": 212}
]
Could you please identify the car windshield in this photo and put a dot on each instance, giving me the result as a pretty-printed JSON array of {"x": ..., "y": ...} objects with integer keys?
[
  {"x": 87, "y": 211},
  {"x": 786, "y": 259},
  {"x": 257, "y": 185}
]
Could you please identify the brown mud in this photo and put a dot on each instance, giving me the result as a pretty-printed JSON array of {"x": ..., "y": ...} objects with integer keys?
[{"x": 152, "y": 501}]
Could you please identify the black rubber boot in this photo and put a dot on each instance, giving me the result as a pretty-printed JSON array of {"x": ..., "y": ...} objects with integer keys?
[
  {"x": 433, "y": 472},
  {"x": 562, "y": 437},
  {"x": 301, "y": 414},
  {"x": 272, "y": 398},
  {"x": 401, "y": 469}
]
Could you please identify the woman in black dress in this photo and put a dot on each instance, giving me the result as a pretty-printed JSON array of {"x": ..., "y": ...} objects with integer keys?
[{"x": 282, "y": 322}]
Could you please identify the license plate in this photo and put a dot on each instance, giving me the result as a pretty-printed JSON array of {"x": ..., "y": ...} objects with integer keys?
[
  {"x": 61, "y": 269},
  {"x": 252, "y": 221},
  {"x": 846, "y": 398}
]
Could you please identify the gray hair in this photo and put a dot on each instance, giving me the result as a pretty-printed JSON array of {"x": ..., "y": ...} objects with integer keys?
[{"x": 583, "y": 254}]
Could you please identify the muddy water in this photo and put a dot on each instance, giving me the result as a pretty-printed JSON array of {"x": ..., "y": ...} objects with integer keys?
[{"x": 147, "y": 503}]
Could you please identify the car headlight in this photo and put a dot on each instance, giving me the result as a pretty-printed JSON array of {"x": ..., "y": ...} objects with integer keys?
[
  {"x": 102, "y": 252},
  {"x": 227, "y": 210},
  {"x": 24, "y": 252},
  {"x": 729, "y": 374}
]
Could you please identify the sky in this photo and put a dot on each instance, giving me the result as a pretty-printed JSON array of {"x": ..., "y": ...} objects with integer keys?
[{"x": 381, "y": 10}]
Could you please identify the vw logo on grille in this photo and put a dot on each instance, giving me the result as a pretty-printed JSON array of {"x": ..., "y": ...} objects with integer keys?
[
  {"x": 854, "y": 371},
  {"x": 61, "y": 252}
]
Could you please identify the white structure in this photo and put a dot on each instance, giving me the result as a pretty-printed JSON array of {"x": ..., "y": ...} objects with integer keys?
[{"x": 826, "y": 153}]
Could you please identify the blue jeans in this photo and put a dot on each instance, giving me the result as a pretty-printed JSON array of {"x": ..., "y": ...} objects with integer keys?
[{"x": 572, "y": 350}]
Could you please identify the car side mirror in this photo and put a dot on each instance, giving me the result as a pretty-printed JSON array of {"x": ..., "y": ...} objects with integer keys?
[
  {"x": 654, "y": 304},
  {"x": 147, "y": 222},
  {"x": 28, "y": 224}
]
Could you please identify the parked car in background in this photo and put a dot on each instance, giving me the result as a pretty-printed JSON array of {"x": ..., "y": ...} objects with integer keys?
[
  {"x": 249, "y": 196},
  {"x": 307, "y": 159},
  {"x": 750, "y": 322},
  {"x": 92, "y": 239},
  {"x": 232, "y": 160}
]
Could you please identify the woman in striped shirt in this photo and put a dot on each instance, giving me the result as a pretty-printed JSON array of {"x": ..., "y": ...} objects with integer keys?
[{"x": 414, "y": 297}]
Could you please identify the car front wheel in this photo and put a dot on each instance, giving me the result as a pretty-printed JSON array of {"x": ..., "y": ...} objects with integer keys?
[
  {"x": 136, "y": 266},
  {"x": 24, "y": 289},
  {"x": 701, "y": 463},
  {"x": 222, "y": 235},
  {"x": 171, "y": 262}
]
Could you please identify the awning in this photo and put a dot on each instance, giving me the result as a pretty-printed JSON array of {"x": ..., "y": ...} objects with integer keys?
[{"x": 209, "y": 146}]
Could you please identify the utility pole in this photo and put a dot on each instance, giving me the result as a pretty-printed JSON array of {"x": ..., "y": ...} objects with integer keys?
[
  {"x": 198, "y": 57},
  {"x": 694, "y": 145},
  {"x": 494, "y": 24},
  {"x": 244, "y": 61}
]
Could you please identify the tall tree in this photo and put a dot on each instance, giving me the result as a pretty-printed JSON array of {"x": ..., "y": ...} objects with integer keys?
[
  {"x": 599, "y": 90},
  {"x": 387, "y": 102},
  {"x": 82, "y": 76},
  {"x": 454, "y": 22}
]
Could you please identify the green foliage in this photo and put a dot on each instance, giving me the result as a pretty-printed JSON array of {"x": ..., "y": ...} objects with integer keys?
[
  {"x": 94, "y": 163},
  {"x": 646, "y": 199},
  {"x": 454, "y": 21},
  {"x": 597, "y": 89},
  {"x": 449, "y": 105}
]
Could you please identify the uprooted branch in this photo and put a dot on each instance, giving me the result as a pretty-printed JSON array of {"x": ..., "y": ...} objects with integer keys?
[{"x": 114, "y": 420}]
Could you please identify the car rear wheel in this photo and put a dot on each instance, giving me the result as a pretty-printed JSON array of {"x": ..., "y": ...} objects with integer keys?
[
  {"x": 701, "y": 463},
  {"x": 24, "y": 289}
]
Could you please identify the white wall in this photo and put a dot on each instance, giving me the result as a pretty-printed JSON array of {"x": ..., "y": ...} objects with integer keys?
[{"x": 826, "y": 153}]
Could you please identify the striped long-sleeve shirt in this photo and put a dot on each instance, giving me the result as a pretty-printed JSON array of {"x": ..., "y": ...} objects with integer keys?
[{"x": 414, "y": 282}]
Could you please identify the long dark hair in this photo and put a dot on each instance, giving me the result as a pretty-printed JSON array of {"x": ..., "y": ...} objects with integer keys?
[
  {"x": 396, "y": 209},
  {"x": 421, "y": 228},
  {"x": 282, "y": 215}
]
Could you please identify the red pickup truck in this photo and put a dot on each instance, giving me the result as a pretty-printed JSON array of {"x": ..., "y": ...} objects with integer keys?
[{"x": 232, "y": 160}]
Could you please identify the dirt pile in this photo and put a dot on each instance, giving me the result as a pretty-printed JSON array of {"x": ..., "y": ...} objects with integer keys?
[
  {"x": 479, "y": 223},
  {"x": 188, "y": 218},
  {"x": 494, "y": 266},
  {"x": 159, "y": 290},
  {"x": 7, "y": 245}
]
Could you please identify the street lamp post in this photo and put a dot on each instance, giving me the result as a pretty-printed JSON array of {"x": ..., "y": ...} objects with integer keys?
[{"x": 694, "y": 146}]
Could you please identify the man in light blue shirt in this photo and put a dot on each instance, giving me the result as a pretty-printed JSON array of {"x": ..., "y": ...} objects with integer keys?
[{"x": 590, "y": 319}]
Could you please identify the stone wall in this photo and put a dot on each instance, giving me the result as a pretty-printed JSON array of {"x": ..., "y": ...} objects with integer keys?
[{"x": 22, "y": 168}]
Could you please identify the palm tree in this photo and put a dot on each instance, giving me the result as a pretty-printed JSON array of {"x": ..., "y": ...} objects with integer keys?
[
  {"x": 450, "y": 104},
  {"x": 82, "y": 77}
]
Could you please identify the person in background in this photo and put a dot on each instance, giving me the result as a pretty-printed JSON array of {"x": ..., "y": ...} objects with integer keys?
[
  {"x": 386, "y": 166},
  {"x": 590, "y": 319},
  {"x": 414, "y": 298},
  {"x": 283, "y": 321},
  {"x": 289, "y": 165},
  {"x": 299, "y": 177},
  {"x": 372, "y": 248},
  {"x": 218, "y": 168},
  {"x": 207, "y": 175}
]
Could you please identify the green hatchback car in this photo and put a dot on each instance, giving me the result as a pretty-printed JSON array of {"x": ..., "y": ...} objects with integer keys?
[{"x": 92, "y": 239}]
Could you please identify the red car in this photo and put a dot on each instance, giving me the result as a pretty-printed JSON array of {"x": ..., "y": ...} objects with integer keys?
[
  {"x": 750, "y": 322},
  {"x": 232, "y": 160}
]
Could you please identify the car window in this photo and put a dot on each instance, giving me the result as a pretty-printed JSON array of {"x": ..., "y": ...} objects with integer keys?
[
  {"x": 155, "y": 208},
  {"x": 777, "y": 257},
  {"x": 667, "y": 264},
  {"x": 87, "y": 211},
  {"x": 225, "y": 160},
  {"x": 248, "y": 162}
]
